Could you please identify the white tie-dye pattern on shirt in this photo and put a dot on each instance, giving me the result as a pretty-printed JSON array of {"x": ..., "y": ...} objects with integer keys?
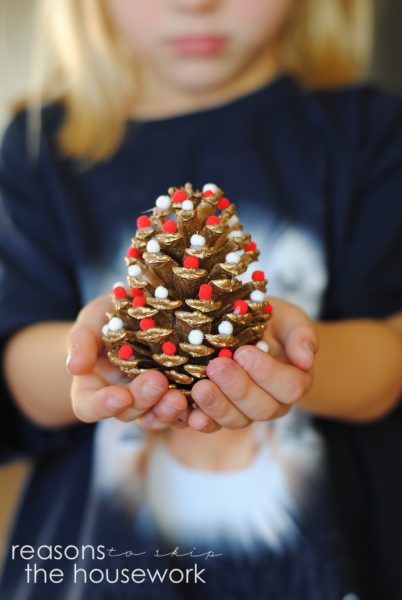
[{"x": 262, "y": 502}]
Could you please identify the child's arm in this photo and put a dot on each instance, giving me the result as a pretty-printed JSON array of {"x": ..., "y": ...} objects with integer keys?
[{"x": 358, "y": 374}]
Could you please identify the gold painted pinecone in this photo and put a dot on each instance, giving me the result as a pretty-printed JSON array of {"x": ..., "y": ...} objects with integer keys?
[{"x": 184, "y": 304}]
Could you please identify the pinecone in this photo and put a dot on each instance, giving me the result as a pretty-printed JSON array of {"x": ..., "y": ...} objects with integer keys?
[{"x": 185, "y": 304}]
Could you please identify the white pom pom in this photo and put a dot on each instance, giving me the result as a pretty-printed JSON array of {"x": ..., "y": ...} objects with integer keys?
[
  {"x": 234, "y": 233},
  {"x": 232, "y": 258},
  {"x": 134, "y": 270},
  {"x": 161, "y": 292},
  {"x": 163, "y": 202},
  {"x": 197, "y": 240},
  {"x": 153, "y": 246},
  {"x": 257, "y": 296},
  {"x": 262, "y": 346},
  {"x": 234, "y": 219},
  {"x": 187, "y": 205},
  {"x": 195, "y": 337},
  {"x": 118, "y": 284},
  {"x": 105, "y": 330},
  {"x": 115, "y": 324},
  {"x": 225, "y": 328},
  {"x": 210, "y": 187}
]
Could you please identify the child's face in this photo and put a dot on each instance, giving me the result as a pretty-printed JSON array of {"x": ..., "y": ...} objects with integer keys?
[{"x": 198, "y": 45}]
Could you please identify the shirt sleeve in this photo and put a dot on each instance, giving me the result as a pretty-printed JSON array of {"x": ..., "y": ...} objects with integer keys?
[
  {"x": 366, "y": 229},
  {"x": 36, "y": 279}
]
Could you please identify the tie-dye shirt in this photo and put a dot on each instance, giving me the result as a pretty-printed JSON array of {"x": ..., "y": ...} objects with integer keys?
[{"x": 317, "y": 179}]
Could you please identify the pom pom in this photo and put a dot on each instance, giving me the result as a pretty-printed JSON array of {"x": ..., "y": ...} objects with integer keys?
[
  {"x": 139, "y": 301},
  {"x": 210, "y": 187},
  {"x": 143, "y": 222},
  {"x": 179, "y": 196},
  {"x": 119, "y": 292},
  {"x": 187, "y": 205},
  {"x": 232, "y": 258},
  {"x": 153, "y": 246},
  {"x": 115, "y": 324},
  {"x": 250, "y": 247},
  {"x": 257, "y": 296},
  {"x": 223, "y": 203},
  {"x": 125, "y": 351},
  {"x": 268, "y": 309},
  {"x": 234, "y": 219},
  {"x": 161, "y": 292},
  {"x": 134, "y": 270},
  {"x": 136, "y": 292},
  {"x": 205, "y": 291},
  {"x": 133, "y": 252},
  {"x": 105, "y": 330},
  {"x": 146, "y": 324},
  {"x": 195, "y": 337},
  {"x": 225, "y": 352},
  {"x": 234, "y": 233},
  {"x": 225, "y": 328},
  {"x": 169, "y": 348},
  {"x": 163, "y": 202},
  {"x": 240, "y": 307},
  {"x": 191, "y": 262},
  {"x": 169, "y": 226},
  {"x": 197, "y": 240},
  {"x": 262, "y": 346},
  {"x": 258, "y": 276},
  {"x": 213, "y": 220}
]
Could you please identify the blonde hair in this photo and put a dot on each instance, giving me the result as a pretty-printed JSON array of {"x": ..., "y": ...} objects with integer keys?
[{"x": 81, "y": 61}]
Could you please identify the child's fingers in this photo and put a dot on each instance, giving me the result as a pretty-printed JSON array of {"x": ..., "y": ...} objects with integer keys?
[
  {"x": 166, "y": 411},
  {"x": 93, "y": 400},
  {"x": 146, "y": 389},
  {"x": 284, "y": 382},
  {"x": 296, "y": 332},
  {"x": 217, "y": 406},
  {"x": 301, "y": 345},
  {"x": 201, "y": 422},
  {"x": 85, "y": 338}
]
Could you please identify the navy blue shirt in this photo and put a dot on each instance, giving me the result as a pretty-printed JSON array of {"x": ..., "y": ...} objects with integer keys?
[{"x": 317, "y": 179}]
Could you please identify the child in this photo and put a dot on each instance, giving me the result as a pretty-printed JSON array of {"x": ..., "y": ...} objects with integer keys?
[{"x": 146, "y": 95}]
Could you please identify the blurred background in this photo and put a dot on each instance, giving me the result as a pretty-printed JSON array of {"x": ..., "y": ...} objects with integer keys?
[{"x": 16, "y": 24}]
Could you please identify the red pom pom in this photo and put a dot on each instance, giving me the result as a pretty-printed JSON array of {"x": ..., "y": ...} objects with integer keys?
[
  {"x": 146, "y": 324},
  {"x": 208, "y": 193},
  {"x": 139, "y": 301},
  {"x": 213, "y": 220},
  {"x": 240, "y": 307},
  {"x": 169, "y": 348},
  {"x": 169, "y": 226},
  {"x": 125, "y": 351},
  {"x": 258, "y": 276},
  {"x": 179, "y": 196},
  {"x": 250, "y": 247},
  {"x": 223, "y": 203},
  {"x": 133, "y": 252},
  {"x": 191, "y": 262},
  {"x": 268, "y": 309},
  {"x": 225, "y": 352},
  {"x": 135, "y": 292},
  {"x": 119, "y": 292},
  {"x": 205, "y": 291},
  {"x": 143, "y": 221}
]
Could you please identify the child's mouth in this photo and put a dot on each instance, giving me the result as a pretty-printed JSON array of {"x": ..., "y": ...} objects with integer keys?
[{"x": 198, "y": 45}]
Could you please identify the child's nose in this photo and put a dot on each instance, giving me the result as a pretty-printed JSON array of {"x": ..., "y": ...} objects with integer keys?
[{"x": 195, "y": 5}]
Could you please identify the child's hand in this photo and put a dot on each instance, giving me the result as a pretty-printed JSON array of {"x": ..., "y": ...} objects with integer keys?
[
  {"x": 99, "y": 390},
  {"x": 257, "y": 386}
]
